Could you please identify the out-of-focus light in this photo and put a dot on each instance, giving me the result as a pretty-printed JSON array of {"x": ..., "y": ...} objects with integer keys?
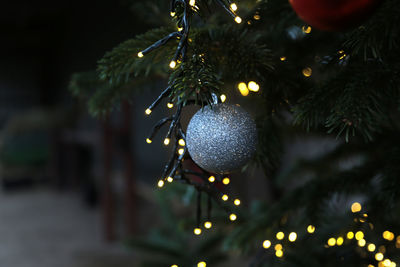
[
  {"x": 238, "y": 20},
  {"x": 266, "y": 244},
  {"x": 292, "y": 237},
  {"x": 280, "y": 235},
  {"x": 356, "y": 207},
  {"x": 311, "y": 229}
]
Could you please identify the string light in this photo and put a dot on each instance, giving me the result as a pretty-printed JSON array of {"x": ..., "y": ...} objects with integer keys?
[
  {"x": 182, "y": 142},
  {"x": 292, "y": 237},
  {"x": 237, "y": 202},
  {"x": 225, "y": 197},
  {"x": 307, "y": 72},
  {"x": 266, "y": 244},
  {"x": 356, "y": 207},
  {"x": 238, "y": 20},
  {"x": 192, "y": 2},
  {"x": 140, "y": 55},
  {"x": 148, "y": 111},
  {"x": 253, "y": 86},
  {"x": 350, "y": 235},
  {"x": 148, "y": 140},
  {"x": 172, "y": 64},
  {"x": 362, "y": 242},
  {"x": 278, "y": 247},
  {"x": 282, "y": 58},
  {"x": 170, "y": 179},
  {"x": 257, "y": 17},
  {"x": 211, "y": 179},
  {"x": 243, "y": 89},
  {"x": 331, "y": 242},
  {"x": 386, "y": 263},
  {"x": 379, "y": 256},
  {"x": 226, "y": 181},
  {"x": 201, "y": 264},
  {"x": 311, "y": 229},
  {"x": 172, "y": 14},
  {"x": 388, "y": 235},
  {"x": 279, "y": 253},
  {"x": 160, "y": 183},
  {"x": 371, "y": 247},
  {"x": 170, "y": 105},
  {"x": 306, "y": 29},
  {"x": 234, "y": 7},
  {"x": 181, "y": 151},
  {"x": 208, "y": 225},
  {"x": 232, "y": 217},
  {"x": 339, "y": 241},
  {"x": 280, "y": 235},
  {"x": 166, "y": 141},
  {"x": 197, "y": 231},
  {"x": 174, "y": 265},
  {"x": 359, "y": 235},
  {"x": 223, "y": 98},
  {"x": 392, "y": 264}
]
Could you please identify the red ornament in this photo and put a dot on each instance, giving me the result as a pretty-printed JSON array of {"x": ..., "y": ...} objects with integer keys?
[{"x": 334, "y": 15}]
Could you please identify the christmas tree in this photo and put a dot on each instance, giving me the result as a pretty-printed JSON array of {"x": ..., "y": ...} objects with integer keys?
[{"x": 305, "y": 69}]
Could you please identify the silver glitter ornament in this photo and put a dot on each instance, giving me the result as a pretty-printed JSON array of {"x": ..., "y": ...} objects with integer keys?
[{"x": 221, "y": 138}]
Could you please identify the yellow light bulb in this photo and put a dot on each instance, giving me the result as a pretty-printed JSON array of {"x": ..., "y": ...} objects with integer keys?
[
  {"x": 234, "y": 7},
  {"x": 237, "y": 202},
  {"x": 356, "y": 207},
  {"x": 211, "y": 179},
  {"x": 331, "y": 242},
  {"x": 307, "y": 72},
  {"x": 148, "y": 111},
  {"x": 370, "y": 265},
  {"x": 387, "y": 263},
  {"x": 362, "y": 242},
  {"x": 392, "y": 264},
  {"x": 207, "y": 225},
  {"x": 306, "y": 29},
  {"x": 197, "y": 231},
  {"x": 278, "y": 247},
  {"x": 280, "y": 236},
  {"x": 243, "y": 89},
  {"x": 282, "y": 58},
  {"x": 181, "y": 151},
  {"x": 379, "y": 256},
  {"x": 388, "y": 235},
  {"x": 179, "y": 30},
  {"x": 238, "y": 20},
  {"x": 359, "y": 235},
  {"x": 172, "y": 14},
  {"x": 166, "y": 141},
  {"x": 192, "y": 2},
  {"x": 140, "y": 55},
  {"x": 182, "y": 142},
  {"x": 223, "y": 98},
  {"x": 225, "y": 197},
  {"x": 292, "y": 237},
  {"x": 350, "y": 235},
  {"x": 279, "y": 253},
  {"x": 170, "y": 105},
  {"x": 170, "y": 179},
  {"x": 257, "y": 17},
  {"x": 226, "y": 181},
  {"x": 232, "y": 217},
  {"x": 266, "y": 244},
  {"x": 253, "y": 86},
  {"x": 371, "y": 247},
  {"x": 172, "y": 64},
  {"x": 148, "y": 140},
  {"x": 311, "y": 229},
  {"x": 340, "y": 241},
  {"x": 202, "y": 264},
  {"x": 160, "y": 183},
  {"x": 174, "y": 265}
]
